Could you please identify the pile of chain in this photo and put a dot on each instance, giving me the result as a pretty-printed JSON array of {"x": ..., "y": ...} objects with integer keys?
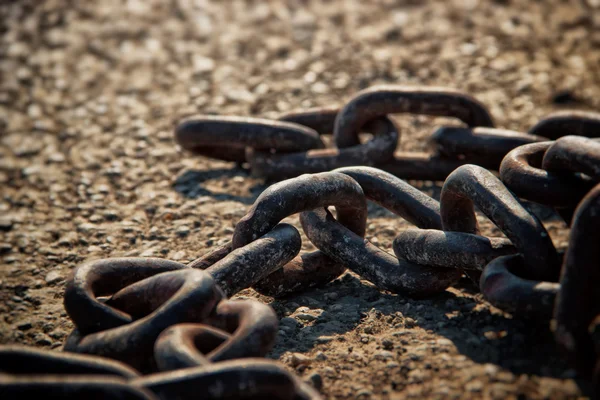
[
  {"x": 174, "y": 323},
  {"x": 148, "y": 328}
]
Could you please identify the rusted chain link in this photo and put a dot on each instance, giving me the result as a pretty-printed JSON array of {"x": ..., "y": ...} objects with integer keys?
[
  {"x": 158, "y": 317},
  {"x": 46, "y": 374},
  {"x": 271, "y": 154},
  {"x": 379, "y": 267}
]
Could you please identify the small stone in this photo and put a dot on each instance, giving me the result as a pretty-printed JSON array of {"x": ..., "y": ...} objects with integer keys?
[
  {"x": 5, "y": 224},
  {"x": 24, "y": 326},
  {"x": 387, "y": 344},
  {"x": 383, "y": 355},
  {"x": 5, "y": 248},
  {"x": 305, "y": 317},
  {"x": 325, "y": 339},
  {"x": 182, "y": 231},
  {"x": 289, "y": 322},
  {"x": 53, "y": 277},
  {"x": 316, "y": 380},
  {"x": 364, "y": 394},
  {"x": 299, "y": 359},
  {"x": 409, "y": 322},
  {"x": 320, "y": 356},
  {"x": 43, "y": 341}
]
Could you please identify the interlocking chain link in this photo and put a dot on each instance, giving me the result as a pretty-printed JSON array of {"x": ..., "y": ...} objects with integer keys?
[{"x": 148, "y": 328}]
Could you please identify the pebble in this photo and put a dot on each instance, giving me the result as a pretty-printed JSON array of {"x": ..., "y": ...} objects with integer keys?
[
  {"x": 5, "y": 248},
  {"x": 320, "y": 356},
  {"x": 383, "y": 355},
  {"x": 305, "y": 317},
  {"x": 289, "y": 322},
  {"x": 53, "y": 277},
  {"x": 364, "y": 394},
  {"x": 24, "y": 326},
  {"x": 182, "y": 231},
  {"x": 316, "y": 380},
  {"x": 298, "y": 359},
  {"x": 5, "y": 224}
]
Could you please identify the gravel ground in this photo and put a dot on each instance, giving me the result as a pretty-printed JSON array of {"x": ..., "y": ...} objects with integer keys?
[{"x": 91, "y": 91}]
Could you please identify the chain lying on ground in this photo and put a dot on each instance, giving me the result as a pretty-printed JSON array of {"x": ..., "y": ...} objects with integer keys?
[
  {"x": 290, "y": 146},
  {"x": 173, "y": 322},
  {"x": 163, "y": 319}
]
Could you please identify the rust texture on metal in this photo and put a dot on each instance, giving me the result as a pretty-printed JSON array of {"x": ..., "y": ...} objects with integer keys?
[
  {"x": 291, "y": 196},
  {"x": 150, "y": 328},
  {"x": 450, "y": 249},
  {"x": 482, "y": 143},
  {"x": 203, "y": 133},
  {"x": 377, "y": 150},
  {"x": 562, "y": 123},
  {"x": 521, "y": 171},
  {"x": 574, "y": 154},
  {"x": 154, "y": 304},
  {"x": 379, "y": 101},
  {"x": 503, "y": 286},
  {"x": 471, "y": 185},
  {"x": 379, "y": 267},
  {"x": 276, "y": 149},
  {"x": 578, "y": 302}
]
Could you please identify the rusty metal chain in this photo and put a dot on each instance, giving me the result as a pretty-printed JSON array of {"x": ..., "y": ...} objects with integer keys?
[
  {"x": 149, "y": 328},
  {"x": 161, "y": 318},
  {"x": 290, "y": 146}
]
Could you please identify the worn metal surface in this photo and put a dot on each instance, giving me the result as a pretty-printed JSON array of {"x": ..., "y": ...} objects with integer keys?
[
  {"x": 289, "y": 197},
  {"x": 469, "y": 185},
  {"x": 574, "y": 154},
  {"x": 503, "y": 286},
  {"x": 236, "y": 379},
  {"x": 384, "y": 270},
  {"x": 27, "y": 372},
  {"x": 247, "y": 265},
  {"x": 450, "y": 249},
  {"x": 237, "y": 329},
  {"x": 578, "y": 302},
  {"x": 213, "y": 135},
  {"x": 102, "y": 278},
  {"x": 479, "y": 143},
  {"x": 153, "y": 304},
  {"x": 570, "y": 122},
  {"x": 378, "y": 101},
  {"x": 521, "y": 171},
  {"x": 377, "y": 150},
  {"x": 73, "y": 387},
  {"x": 397, "y": 196},
  {"x": 372, "y": 263},
  {"x": 18, "y": 360}
]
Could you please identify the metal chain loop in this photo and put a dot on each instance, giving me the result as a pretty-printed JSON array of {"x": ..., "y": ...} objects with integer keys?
[
  {"x": 561, "y": 123},
  {"x": 279, "y": 149},
  {"x": 227, "y": 137},
  {"x": 469, "y": 185},
  {"x": 379, "y": 149},
  {"x": 154, "y": 304},
  {"x": 379, "y": 267},
  {"x": 289, "y": 197}
]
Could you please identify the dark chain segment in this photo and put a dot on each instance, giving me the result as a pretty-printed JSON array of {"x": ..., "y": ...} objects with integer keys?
[
  {"x": 174, "y": 324},
  {"x": 161, "y": 318},
  {"x": 290, "y": 146}
]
